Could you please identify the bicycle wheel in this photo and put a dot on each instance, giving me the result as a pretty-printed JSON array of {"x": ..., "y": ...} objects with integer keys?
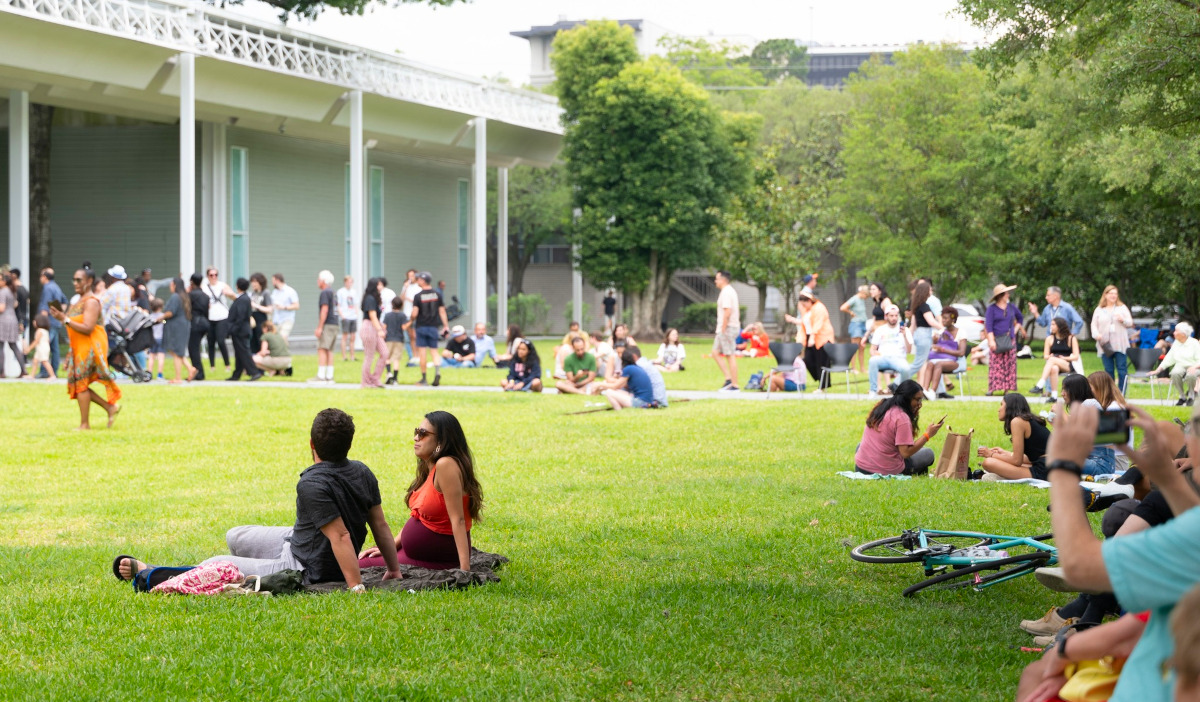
[
  {"x": 968, "y": 577},
  {"x": 899, "y": 549}
]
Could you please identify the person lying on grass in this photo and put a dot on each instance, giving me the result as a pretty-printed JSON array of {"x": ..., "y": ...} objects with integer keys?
[
  {"x": 336, "y": 499},
  {"x": 1029, "y": 436},
  {"x": 1148, "y": 571},
  {"x": 888, "y": 446},
  {"x": 445, "y": 498}
]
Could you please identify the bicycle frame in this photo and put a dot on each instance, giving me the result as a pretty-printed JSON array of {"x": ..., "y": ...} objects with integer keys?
[{"x": 941, "y": 556}]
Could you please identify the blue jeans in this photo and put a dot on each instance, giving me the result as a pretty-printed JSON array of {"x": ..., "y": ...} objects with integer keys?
[
  {"x": 1116, "y": 366},
  {"x": 922, "y": 343},
  {"x": 898, "y": 364},
  {"x": 1101, "y": 461},
  {"x": 452, "y": 363}
]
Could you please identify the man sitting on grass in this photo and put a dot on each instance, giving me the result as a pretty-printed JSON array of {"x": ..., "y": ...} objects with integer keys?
[
  {"x": 336, "y": 499},
  {"x": 460, "y": 349},
  {"x": 640, "y": 392},
  {"x": 656, "y": 378},
  {"x": 580, "y": 369}
]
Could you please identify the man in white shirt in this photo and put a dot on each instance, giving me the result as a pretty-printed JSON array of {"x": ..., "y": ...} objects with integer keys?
[
  {"x": 889, "y": 350},
  {"x": 218, "y": 314},
  {"x": 348, "y": 313},
  {"x": 728, "y": 324},
  {"x": 386, "y": 295},
  {"x": 1183, "y": 361},
  {"x": 485, "y": 346},
  {"x": 115, "y": 301},
  {"x": 284, "y": 302},
  {"x": 409, "y": 290}
]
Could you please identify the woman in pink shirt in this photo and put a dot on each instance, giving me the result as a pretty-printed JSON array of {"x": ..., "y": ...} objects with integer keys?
[{"x": 888, "y": 445}]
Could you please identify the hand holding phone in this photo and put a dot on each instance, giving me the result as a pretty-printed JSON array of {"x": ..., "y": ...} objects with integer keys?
[{"x": 1113, "y": 428}]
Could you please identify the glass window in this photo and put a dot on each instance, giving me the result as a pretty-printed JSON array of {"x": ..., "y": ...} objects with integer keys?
[
  {"x": 347, "y": 213},
  {"x": 239, "y": 212},
  {"x": 375, "y": 229},
  {"x": 464, "y": 238}
]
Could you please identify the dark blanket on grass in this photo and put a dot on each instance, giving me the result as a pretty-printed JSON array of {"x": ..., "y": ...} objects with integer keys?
[{"x": 483, "y": 571}]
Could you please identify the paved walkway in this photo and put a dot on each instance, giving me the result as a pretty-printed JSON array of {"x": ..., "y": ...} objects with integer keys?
[{"x": 743, "y": 395}]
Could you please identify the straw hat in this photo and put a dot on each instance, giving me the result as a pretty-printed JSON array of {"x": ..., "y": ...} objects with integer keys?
[{"x": 1000, "y": 289}]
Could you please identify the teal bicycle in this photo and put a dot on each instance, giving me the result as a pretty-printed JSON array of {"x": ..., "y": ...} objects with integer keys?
[{"x": 961, "y": 559}]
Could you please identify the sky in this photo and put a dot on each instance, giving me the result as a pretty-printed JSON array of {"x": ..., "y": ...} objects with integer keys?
[{"x": 473, "y": 38}]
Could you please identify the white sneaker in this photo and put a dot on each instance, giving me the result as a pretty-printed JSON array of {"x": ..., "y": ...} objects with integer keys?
[
  {"x": 930, "y": 395},
  {"x": 872, "y": 395}
]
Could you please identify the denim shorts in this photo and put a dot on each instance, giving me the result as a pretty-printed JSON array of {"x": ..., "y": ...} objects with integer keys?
[
  {"x": 789, "y": 386},
  {"x": 427, "y": 337},
  {"x": 857, "y": 329},
  {"x": 638, "y": 403},
  {"x": 157, "y": 346}
]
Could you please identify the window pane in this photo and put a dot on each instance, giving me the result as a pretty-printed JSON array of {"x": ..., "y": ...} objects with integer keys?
[
  {"x": 464, "y": 212},
  {"x": 376, "y": 258},
  {"x": 238, "y": 218},
  {"x": 347, "y": 213},
  {"x": 240, "y": 256},
  {"x": 377, "y": 204},
  {"x": 464, "y": 278}
]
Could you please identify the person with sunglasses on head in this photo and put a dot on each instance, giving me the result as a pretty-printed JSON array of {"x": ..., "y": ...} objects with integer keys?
[
  {"x": 337, "y": 499},
  {"x": 218, "y": 315},
  {"x": 445, "y": 499},
  {"x": 890, "y": 445}
]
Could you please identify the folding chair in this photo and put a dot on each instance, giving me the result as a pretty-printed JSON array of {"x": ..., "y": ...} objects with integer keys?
[
  {"x": 840, "y": 356},
  {"x": 785, "y": 355},
  {"x": 1144, "y": 361}
]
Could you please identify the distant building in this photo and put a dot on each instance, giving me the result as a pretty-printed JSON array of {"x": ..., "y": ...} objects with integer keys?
[
  {"x": 541, "y": 39},
  {"x": 830, "y": 66}
]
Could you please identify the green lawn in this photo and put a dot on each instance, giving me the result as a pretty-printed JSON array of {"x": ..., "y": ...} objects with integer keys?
[
  {"x": 698, "y": 552},
  {"x": 701, "y": 372}
]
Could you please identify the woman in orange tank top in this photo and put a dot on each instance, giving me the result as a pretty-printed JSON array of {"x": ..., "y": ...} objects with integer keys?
[{"x": 444, "y": 499}]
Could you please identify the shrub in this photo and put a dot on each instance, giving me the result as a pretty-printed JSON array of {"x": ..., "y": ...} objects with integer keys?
[
  {"x": 569, "y": 314},
  {"x": 701, "y": 317},
  {"x": 530, "y": 312}
]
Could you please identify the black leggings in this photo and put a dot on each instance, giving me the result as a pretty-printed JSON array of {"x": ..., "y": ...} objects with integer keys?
[
  {"x": 194, "y": 339},
  {"x": 16, "y": 349},
  {"x": 217, "y": 331}
]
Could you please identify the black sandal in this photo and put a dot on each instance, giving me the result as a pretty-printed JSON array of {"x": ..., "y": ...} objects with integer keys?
[{"x": 116, "y": 567}]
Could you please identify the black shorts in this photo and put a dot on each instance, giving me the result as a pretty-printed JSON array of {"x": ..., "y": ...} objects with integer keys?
[{"x": 1154, "y": 509}]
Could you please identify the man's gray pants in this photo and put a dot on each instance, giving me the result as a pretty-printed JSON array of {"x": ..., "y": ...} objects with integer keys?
[{"x": 259, "y": 550}]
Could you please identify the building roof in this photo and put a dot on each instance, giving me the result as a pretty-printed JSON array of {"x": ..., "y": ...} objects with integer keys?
[{"x": 544, "y": 30}]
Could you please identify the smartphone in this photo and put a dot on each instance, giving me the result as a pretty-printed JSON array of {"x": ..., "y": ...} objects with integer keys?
[
  {"x": 55, "y": 304},
  {"x": 1114, "y": 428}
]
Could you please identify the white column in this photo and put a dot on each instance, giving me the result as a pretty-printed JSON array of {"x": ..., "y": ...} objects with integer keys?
[
  {"x": 18, "y": 182},
  {"x": 576, "y": 289},
  {"x": 358, "y": 259},
  {"x": 206, "y": 197},
  {"x": 187, "y": 164},
  {"x": 501, "y": 251},
  {"x": 219, "y": 202},
  {"x": 478, "y": 302}
]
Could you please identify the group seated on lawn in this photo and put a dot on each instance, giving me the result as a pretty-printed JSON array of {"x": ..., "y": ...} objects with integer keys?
[{"x": 337, "y": 499}]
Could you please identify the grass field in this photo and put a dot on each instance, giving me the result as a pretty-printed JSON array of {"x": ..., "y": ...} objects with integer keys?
[
  {"x": 698, "y": 552},
  {"x": 701, "y": 372}
]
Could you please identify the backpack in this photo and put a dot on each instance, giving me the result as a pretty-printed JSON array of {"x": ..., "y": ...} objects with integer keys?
[{"x": 755, "y": 382}]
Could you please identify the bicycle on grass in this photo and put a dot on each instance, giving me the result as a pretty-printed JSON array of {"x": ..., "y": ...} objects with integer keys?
[{"x": 959, "y": 559}]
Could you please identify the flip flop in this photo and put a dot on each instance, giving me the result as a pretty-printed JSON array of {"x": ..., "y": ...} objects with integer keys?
[{"x": 116, "y": 566}]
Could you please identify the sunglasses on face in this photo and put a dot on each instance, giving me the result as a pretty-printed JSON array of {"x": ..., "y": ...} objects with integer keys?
[
  {"x": 212, "y": 275},
  {"x": 421, "y": 432}
]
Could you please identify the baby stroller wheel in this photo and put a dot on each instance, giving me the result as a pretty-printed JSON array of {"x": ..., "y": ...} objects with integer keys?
[{"x": 145, "y": 376}]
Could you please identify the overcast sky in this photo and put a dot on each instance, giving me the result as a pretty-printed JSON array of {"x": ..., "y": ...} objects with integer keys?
[{"x": 474, "y": 38}]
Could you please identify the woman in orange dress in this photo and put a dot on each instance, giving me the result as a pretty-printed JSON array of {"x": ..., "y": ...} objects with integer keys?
[{"x": 88, "y": 361}]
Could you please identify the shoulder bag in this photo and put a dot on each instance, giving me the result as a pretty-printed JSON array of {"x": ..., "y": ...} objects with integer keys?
[{"x": 1004, "y": 344}]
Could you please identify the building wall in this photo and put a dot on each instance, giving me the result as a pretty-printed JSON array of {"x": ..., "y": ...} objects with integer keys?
[
  {"x": 297, "y": 204},
  {"x": 553, "y": 282},
  {"x": 4, "y": 190}
]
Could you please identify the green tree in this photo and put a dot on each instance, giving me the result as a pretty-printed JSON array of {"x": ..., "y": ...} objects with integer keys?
[
  {"x": 586, "y": 55},
  {"x": 709, "y": 64},
  {"x": 539, "y": 212},
  {"x": 779, "y": 59},
  {"x": 649, "y": 159},
  {"x": 916, "y": 196}
]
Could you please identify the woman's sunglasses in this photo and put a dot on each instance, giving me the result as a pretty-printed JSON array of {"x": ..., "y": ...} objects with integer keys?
[{"x": 421, "y": 432}]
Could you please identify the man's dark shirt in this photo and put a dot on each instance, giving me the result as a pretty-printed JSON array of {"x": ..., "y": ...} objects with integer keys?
[
  {"x": 428, "y": 303},
  {"x": 327, "y": 299},
  {"x": 466, "y": 347},
  {"x": 325, "y": 492},
  {"x": 239, "y": 316}
]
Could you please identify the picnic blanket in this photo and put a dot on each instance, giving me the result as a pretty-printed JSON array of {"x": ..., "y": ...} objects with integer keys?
[
  {"x": 483, "y": 571},
  {"x": 855, "y": 475}
]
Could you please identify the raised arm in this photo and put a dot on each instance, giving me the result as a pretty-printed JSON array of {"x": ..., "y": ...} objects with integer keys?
[{"x": 1078, "y": 547}]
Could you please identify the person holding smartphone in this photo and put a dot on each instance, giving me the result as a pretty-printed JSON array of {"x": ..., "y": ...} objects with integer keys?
[
  {"x": 890, "y": 445},
  {"x": 1029, "y": 438}
]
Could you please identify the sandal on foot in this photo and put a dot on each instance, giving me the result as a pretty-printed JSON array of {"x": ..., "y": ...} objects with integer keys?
[{"x": 116, "y": 567}]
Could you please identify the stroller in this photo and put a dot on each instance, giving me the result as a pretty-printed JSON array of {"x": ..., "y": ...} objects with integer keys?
[
  {"x": 128, "y": 335},
  {"x": 454, "y": 310}
]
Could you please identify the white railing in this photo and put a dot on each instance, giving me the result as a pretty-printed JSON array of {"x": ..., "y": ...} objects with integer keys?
[{"x": 209, "y": 32}]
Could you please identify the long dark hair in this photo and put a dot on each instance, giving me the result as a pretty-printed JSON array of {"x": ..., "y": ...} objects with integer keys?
[
  {"x": 371, "y": 290},
  {"x": 920, "y": 296},
  {"x": 451, "y": 442},
  {"x": 902, "y": 398},
  {"x": 531, "y": 358},
  {"x": 186, "y": 299},
  {"x": 882, "y": 292},
  {"x": 1015, "y": 405},
  {"x": 1076, "y": 388},
  {"x": 1060, "y": 325}
]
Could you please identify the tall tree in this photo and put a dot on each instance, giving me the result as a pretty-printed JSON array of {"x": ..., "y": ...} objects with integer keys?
[
  {"x": 710, "y": 64},
  {"x": 649, "y": 159},
  {"x": 779, "y": 59},
  {"x": 916, "y": 195},
  {"x": 539, "y": 212}
]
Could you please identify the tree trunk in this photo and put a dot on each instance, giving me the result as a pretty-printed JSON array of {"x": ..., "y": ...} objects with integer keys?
[
  {"x": 41, "y": 118},
  {"x": 648, "y": 304}
]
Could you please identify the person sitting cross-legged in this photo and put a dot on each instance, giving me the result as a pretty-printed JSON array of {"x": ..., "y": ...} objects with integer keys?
[
  {"x": 525, "y": 369},
  {"x": 1029, "y": 436},
  {"x": 889, "y": 349},
  {"x": 656, "y": 378},
  {"x": 460, "y": 349},
  {"x": 579, "y": 368},
  {"x": 888, "y": 445},
  {"x": 633, "y": 388},
  {"x": 336, "y": 500}
]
